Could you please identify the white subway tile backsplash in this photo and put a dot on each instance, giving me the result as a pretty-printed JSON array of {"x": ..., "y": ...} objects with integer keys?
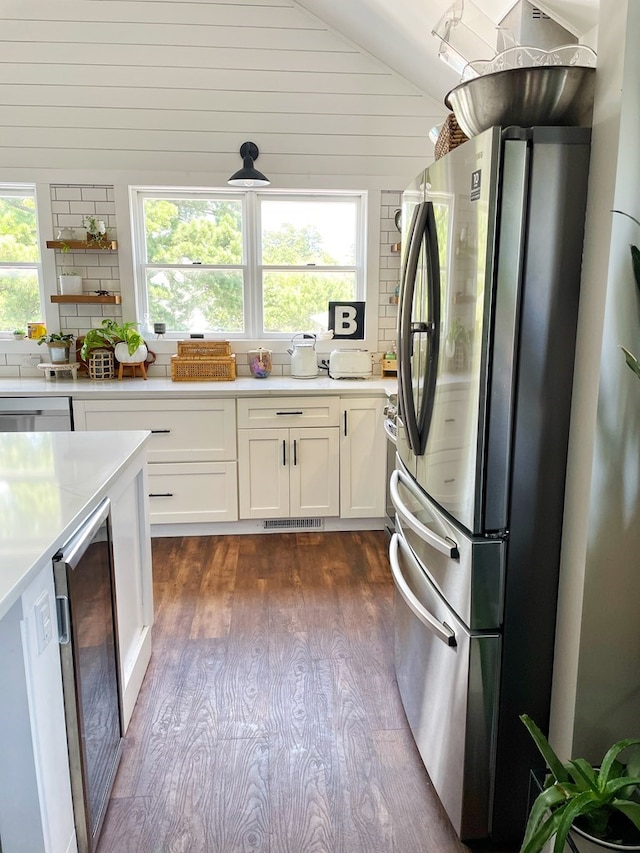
[
  {"x": 63, "y": 193},
  {"x": 94, "y": 193},
  {"x": 83, "y": 208}
]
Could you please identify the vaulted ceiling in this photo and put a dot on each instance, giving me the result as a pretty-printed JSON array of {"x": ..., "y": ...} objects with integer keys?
[{"x": 399, "y": 32}]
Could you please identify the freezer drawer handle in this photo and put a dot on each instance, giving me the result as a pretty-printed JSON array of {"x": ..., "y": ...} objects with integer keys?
[
  {"x": 446, "y": 546},
  {"x": 441, "y": 630}
]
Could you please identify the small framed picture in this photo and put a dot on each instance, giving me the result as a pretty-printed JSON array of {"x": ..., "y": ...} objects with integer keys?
[{"x": 347, "y": 320}]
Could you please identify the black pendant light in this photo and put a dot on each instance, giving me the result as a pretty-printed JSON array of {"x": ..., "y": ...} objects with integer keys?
[{"x": 248, "y": 176}]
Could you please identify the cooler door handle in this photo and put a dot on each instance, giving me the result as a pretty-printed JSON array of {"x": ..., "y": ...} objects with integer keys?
[
  {"x": 441, "y": 630},
  {"x": 444, "y": 545},
  {"x": 64, "y": 619}
]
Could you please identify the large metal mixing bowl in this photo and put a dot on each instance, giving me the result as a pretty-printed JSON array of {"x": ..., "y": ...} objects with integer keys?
[{"x": 526, "y": 97}]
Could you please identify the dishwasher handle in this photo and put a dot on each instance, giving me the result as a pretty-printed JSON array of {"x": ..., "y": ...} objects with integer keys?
[
  {"x": 440, "y": 629},
  {"x": 442, "y": 544},
  {"x": 72, "y": 551}
]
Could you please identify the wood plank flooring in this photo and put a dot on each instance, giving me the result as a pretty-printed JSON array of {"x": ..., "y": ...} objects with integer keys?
[{"x": 269, "y": 720}]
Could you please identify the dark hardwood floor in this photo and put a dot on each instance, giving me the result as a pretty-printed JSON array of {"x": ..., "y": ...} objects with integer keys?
[{"x": 269, "y": 719}]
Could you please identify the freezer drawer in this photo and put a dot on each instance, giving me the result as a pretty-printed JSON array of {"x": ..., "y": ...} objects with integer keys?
[
  {"x": 448, "y": 680},
  {"x": 467, "y": 571}
]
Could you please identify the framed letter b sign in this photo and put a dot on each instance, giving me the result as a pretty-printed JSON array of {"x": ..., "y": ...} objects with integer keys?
[{"x": 347, "y": 320}]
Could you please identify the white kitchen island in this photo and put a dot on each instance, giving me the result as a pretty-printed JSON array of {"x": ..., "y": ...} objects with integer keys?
[{"x": 49, "y": 484}]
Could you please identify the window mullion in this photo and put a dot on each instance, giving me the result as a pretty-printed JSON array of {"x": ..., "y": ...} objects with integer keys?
[{"x": 254, "y": 275}]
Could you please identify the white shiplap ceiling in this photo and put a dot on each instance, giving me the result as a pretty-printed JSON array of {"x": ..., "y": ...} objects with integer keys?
[{"x": 333, "y": 93}]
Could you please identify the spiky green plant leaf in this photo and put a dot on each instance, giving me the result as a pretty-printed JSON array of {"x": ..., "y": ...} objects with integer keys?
[{"x": 551, "y": 759}]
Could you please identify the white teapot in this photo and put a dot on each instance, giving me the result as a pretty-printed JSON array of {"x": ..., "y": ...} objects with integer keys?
[{"x": 304, "y": 363}]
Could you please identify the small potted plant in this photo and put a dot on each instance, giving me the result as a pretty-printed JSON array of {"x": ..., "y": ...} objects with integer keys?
[
  {"x": 126, "y": 341},
  {"x": 59, "y": 345},
  {"x": 96, "y": 229},
  {"x": 599, "y": 804},
  {"x": 70, "y": 283},
  {"x": 19, "y": 334}
]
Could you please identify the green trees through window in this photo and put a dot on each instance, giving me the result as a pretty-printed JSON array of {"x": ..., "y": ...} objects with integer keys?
[
  {"x": 268, "y": 266},
  {"x": 19, "y": 260}
]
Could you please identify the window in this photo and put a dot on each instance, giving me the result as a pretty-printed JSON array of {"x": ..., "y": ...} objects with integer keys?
[
  {"x": 19, "y": 258},
  {"x": 246, "y": 264}
]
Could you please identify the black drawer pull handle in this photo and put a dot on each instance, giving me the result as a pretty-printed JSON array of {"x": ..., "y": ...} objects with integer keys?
[
  {"x": 289, "y": 413},
  {"x": 161, "y": 494},
  {"x": 160, "y": 431},
  {"x": 451, "y": 480}
]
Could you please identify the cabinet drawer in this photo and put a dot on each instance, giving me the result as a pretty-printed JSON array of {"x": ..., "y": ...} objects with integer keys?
[
  {"x": 288, "y": 412},
  {"x": 189, "y": 492},
  {"x": 182, "y": 430}
]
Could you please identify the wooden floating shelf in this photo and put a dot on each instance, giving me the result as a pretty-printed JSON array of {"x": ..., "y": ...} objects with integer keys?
[
  {"x": 115, "y": 299},
  {"x": 96, "y": 245}
]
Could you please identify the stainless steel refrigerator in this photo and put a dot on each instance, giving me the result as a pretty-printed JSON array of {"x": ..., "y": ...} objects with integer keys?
[{"x": 492, "y": 249}]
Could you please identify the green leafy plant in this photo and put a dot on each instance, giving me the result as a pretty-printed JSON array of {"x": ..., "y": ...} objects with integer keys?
[
  {"x": 55, "y": 338},
  {"x": 20, "y": 332},
  {"x": 602, "y": 801},
  {"x": 110, "y": 333}
]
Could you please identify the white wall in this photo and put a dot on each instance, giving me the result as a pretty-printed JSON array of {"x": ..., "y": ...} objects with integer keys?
[
  {"x": 597, "y": 676},
  {"x": 97, "y": 97}
]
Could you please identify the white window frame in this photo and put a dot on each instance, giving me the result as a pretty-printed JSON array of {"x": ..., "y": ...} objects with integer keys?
[
  {"x": 252, "y": 250},
  {"x": 12, "y": 189}
]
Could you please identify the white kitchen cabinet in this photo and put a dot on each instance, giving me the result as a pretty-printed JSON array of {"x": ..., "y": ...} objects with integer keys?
[
  {"x": 362, "y": 458},
  {"x": 184, "y": 492},
  {"x": 192, "y": 453},
  {"x": 286, "y": 467}
]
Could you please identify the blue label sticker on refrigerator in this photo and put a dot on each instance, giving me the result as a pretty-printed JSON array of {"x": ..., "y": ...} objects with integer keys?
[{"x": 475, "y": 185}]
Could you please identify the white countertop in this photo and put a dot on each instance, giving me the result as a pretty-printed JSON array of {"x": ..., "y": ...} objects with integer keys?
[
  {"x": 49, "y": 482},
  {"x": 165, "y": 387}
]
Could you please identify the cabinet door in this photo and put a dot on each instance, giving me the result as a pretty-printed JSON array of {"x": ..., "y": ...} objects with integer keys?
[
  {"x": 314, "y": 466},
  {"x": 263, "y": 473},
  {"x": 362, "y": 459}
]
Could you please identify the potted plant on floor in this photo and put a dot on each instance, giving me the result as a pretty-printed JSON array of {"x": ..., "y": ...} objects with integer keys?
[
  {"x": 598, "y": 804},
  {"x": 59, "y": 345}
]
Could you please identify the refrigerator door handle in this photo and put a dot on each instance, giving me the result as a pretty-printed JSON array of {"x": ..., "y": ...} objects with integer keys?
[
  {"x": 444, "y": 545},
  {"x": 423, "y": 227},
  {"x": 409, "y": 272},
  {"x": 440, "y": 629}
]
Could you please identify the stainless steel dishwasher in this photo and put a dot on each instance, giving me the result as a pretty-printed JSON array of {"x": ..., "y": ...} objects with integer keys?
[{"x": 35, "y": 414}]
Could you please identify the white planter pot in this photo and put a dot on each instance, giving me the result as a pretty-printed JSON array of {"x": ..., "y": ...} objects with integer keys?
[
  {"x": 587, "y": 844},
  {"x": 70, "y": 285},
  {"x": 121, "y": 351}
]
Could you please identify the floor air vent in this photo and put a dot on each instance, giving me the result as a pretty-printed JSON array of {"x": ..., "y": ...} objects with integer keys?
[{"x": 294, "y": 524}]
